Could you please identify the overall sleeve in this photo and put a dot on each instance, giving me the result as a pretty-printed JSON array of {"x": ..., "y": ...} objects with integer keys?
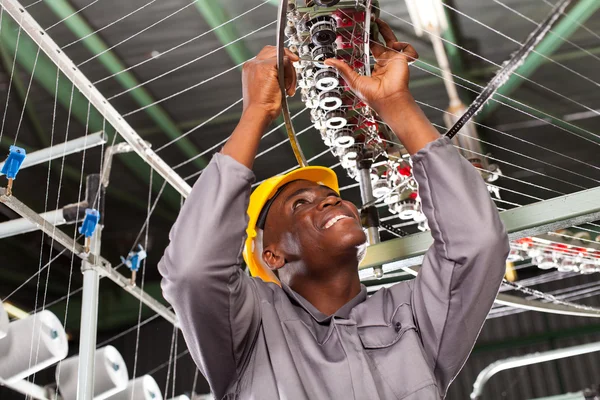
[
  {"x": 463, "y": 270},
  {"x": 215, "y": 301}
]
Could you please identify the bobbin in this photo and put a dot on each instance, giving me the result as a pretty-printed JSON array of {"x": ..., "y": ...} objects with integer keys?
[
  {"x": 331, "y": 100},
  {"x": 335, "y": 119},
  {"x": 326, "y": 79}
]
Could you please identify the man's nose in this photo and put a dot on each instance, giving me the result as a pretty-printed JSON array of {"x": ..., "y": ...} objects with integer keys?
[{"x": 329, "y": 201}]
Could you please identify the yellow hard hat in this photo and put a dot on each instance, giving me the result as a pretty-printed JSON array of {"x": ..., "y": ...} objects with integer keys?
[{"x": 261, "y": 196}]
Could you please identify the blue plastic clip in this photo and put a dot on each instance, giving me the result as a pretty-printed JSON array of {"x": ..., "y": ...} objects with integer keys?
[
  {"x": 11, "y": 167},
  {"x": 89, "y": 222},
  {"x": 134, "y": 258},
  {"x": 16, "y": 156}
]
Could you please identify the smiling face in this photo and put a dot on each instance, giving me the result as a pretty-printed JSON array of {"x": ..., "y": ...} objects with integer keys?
[{"x": 310, "y": 223}]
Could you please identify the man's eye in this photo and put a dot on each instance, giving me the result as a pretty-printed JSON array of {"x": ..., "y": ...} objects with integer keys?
[{"x": 298, "y": 203}]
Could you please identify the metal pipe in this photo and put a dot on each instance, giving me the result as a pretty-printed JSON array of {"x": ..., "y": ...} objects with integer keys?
[
  {"x": 109, "y": 153},
  {"x": 63, "y": 149},
  {"x": 281, "y": 24},
  {"x": 366, "y": 195},
  {"x": 444, "y": 64},
  {"x": 536, "y": 358},
  {"x": 23, "y": 225},
  {"x": 89, "y": 322}
]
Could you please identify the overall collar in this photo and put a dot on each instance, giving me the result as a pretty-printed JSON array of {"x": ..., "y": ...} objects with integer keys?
[{"x": 318, "y": 316}]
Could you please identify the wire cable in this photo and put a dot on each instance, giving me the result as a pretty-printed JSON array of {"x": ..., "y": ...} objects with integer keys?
[
  {"x": 162, "y": 54},
  {"x": 137, "y": 33},
  {"x": 109, "y": 25},
  {"x": 189, "y": 63}
]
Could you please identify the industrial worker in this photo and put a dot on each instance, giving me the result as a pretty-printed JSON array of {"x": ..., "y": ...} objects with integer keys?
[{"x": 303, "y": 326}]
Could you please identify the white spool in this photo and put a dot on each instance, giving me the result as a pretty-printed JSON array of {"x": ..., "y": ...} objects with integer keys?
[
  {"x": 343, "y": 138},
  {"x": 336, "y": 122},
  {"x": 330, "y": 102},
  {"x": 142, "y": 388},
  {"x": 110, "y": 376},
  {"x": 32, "y": 344},
  {"x": 3, "y": 322},
  {"x": 181, "y": 397}
]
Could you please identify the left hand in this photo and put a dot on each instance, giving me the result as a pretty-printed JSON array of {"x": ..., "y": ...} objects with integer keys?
[{"x": 389, "y": 81}]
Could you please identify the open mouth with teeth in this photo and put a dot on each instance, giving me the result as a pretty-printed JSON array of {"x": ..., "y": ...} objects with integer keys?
[{"x": 333, "y": 220}]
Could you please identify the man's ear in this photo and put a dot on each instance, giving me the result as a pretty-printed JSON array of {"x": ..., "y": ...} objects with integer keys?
[{"x": 273, "y": 258}]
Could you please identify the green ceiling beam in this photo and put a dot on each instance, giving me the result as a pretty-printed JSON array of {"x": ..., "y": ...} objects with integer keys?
[
  {"x": 576, "y": 16},
  {"x": 81, "y": 29},
  {"x": 452, "y": 37},
  {"x": 213, "y": 13},
  {"x": 45, "y": 75}
]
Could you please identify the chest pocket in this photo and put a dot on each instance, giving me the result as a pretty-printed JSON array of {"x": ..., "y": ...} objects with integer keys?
[
  {"x": 381, "y": 334},
  {"x": 395, "y": 352}
]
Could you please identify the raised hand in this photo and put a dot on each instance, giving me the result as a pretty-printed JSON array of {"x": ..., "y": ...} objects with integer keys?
[
  {"x": 390, "y": 77},
  {"x": 261, "y": 83}
]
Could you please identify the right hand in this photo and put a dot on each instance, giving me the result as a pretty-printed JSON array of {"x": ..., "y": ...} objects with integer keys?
[
  {"x": 260, "y": 82},
  {"x": 389, "y": 82}
]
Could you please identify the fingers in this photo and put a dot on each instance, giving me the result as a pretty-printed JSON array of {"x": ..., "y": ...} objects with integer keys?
[
  {"x": 268, "y": 55},
  {"x": 271, "y": 52},
  {"x": 293, "y": 57},
  {"x": 388, "y": 34},
  {"x": 377, "y": 49},
  {"x": 407, "y": 50},
  {"x": 289, "y": 73},
  {"x": 346, "y": 71}
]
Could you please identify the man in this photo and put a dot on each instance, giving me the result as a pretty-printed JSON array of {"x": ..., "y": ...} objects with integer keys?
[{"x": 311, "y": 332}]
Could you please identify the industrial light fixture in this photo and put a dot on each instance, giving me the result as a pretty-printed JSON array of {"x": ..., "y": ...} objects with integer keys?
[{"x": 427, "y": 15}]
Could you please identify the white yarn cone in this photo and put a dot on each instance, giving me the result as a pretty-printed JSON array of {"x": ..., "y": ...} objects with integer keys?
[
  {"x": 110, "y": 375},
  {"x": 32, "y": 344}
]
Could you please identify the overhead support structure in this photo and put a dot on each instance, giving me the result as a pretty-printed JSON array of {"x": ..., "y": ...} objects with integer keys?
[
  {"x": 62, "y": 150},
  {"x": 94, "y": 43},
  {"x": 46, "y": 75},
  {"x": 531, "y": 220},
  {"x": 48, "y": 46},
  {"x": 569, "y": 23},
  {"x": 98, "y": 262},
  {"x": 529, "y": 359}
]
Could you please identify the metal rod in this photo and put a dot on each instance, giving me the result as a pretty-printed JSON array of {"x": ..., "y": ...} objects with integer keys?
[
  {"x": 23, "y": 225},
  {"x": 509, "y": 67},
  {"x": 54, "y": 52},
  {"x": 99, "y": 263},
  {"x": 366, "y": 194},
  {"x": 89, "y": 322},
  {"x": 63, "y": 149},
  {"x": 281, "y": 23},
  {"x": 529, "y": 359}
]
